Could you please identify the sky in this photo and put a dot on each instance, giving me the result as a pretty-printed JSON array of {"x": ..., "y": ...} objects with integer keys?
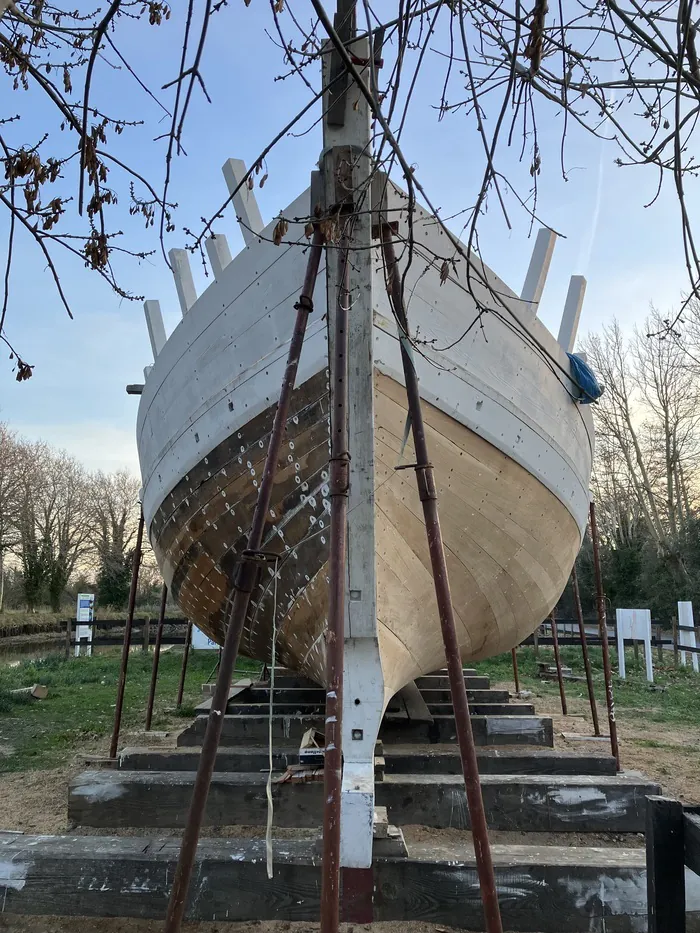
[{"x": 631, "y": 255}]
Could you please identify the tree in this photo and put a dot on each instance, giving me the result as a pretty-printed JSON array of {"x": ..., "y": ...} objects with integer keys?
[
  {"x": 627, "y": 73},
  {"x": 12, "y": 456},
  {"x": 114, "y": 515}
]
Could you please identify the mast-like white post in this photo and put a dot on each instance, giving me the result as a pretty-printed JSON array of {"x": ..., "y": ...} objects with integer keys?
[
  {"x": 219, "y": 253},
  {"x": 156, "y": 328},
  {"x": 244, "y": 201},
  {"x": 572, "y": 313},
  {"x": 363, "y": 687},
  {"x": 539, "y": 267},
  {"x": 184, "y": 283}
]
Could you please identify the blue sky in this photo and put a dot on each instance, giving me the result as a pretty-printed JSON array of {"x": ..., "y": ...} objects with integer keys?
[{"x": 630, "y": 255}]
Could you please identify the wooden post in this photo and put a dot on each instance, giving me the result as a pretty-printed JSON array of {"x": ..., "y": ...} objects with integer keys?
[
  {"x": 659, "y": 645},
  {"x": 69, "y": 636},
  {"x": 557, "y": 661},
  {"x": 665, "y": 849},
  {"x": 183, "y": 672},
  {"x": 674, "y": 634},
  {"x": 146, "y": 633},
  {"x": 536, "y": 641}
]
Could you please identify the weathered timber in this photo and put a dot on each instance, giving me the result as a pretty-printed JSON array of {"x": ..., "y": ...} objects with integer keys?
[
  {"x": 442, "y": 682},
  {"x": 487, "y": 709},
  {"x": 547, "y": 889},
  {"x": 444, "y": 759},
  {"x": 691, "y": 834},
  {"x": 261, "y": 694},
  {"x": 665, "y": 859},
  {"x": 284, "y": 707},
  {"x": 527, "y": 803},
  {"x": 398, "y": 759},
  {"x": 488, "y": 730}
]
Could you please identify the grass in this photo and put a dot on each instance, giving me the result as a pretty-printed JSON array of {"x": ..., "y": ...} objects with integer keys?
[
  {"x": 677, "y": 703},
  {"x": 79, "y": 709}
]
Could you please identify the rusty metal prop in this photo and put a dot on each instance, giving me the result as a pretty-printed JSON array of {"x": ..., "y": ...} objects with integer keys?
[
  {"x": 156, "y": 659},
  {"x": 119, "y": 707},
  {"x": 584, "y": 651},
  {"x": 516, "y": 678},
  {"x": 242, "y": 590},
  {"x": 335, "y": 644},
  {"x": 185, "y": 659},
  {"x": 428, "y": 495},
  {"x": 557, "y": 661},
  {"x": 603, "y": 628}
]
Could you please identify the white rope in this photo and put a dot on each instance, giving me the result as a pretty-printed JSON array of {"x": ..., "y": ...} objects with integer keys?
[{"x": 268, "y": 789}]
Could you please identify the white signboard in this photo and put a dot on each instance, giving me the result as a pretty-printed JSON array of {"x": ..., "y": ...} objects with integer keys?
[
  {"x": 84, "y": 616},
  {"x": 635, "y": 625},
  {"x": 201, "y": 642},
  {"x": 685, "y": 636}
]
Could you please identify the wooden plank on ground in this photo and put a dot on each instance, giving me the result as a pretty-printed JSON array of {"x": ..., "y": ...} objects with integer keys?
[
  {"x": 488, "y": 730},
  {"x": 526, "y": 803},
  {"x": 549, "y": 889}
]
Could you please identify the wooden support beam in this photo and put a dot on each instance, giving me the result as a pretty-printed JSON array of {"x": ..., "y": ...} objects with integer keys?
[
  {"x": 549, "y": 889},
  {"x": 572, "y": 313},
  {"x": 665, "y": 856},
  {"x": 184, "y": 283},
  {"x": 539, "y": 267},
  {"x": 398, "y": 759},
  {"x": 219, "y": 253},
  {"x": 524, "y": 803},
  {"x": 156, "y": 328},
  {"x": 488, "y": 730},
  {"x": 244, "y": 201}
]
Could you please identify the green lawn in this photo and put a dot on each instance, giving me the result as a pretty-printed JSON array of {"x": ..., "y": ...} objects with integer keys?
[
  {"x": 677, "y": 703},
  {"x": 79, "y": 709}
]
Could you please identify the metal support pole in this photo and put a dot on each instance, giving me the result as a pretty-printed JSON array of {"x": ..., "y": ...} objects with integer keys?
[
  {"x": 516, "y": 678},
  {"x": 584, "y": 651},
  {"x": 603, "y": 628},
  {"x": 428, "y": 496},
  {"x": 335, "y": 637},
  {"x": 185, "y": 659},
  {"x": 156, "y": 658},
  {"x": 557, "y": 661},
  {"x": 242, "y": 590},
  {"x": 127, "y": 640}
]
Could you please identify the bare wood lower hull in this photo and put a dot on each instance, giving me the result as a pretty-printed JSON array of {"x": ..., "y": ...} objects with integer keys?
[{"x": 511, "y": 542}]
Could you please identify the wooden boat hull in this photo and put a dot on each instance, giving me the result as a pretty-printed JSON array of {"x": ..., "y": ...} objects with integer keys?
[
  {"x": 510, "y": 542},
  {"x": 512, "y": 451}
]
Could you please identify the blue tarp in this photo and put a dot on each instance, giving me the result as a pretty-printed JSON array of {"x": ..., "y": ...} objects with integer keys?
[{"x": 582, "y": 374}]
